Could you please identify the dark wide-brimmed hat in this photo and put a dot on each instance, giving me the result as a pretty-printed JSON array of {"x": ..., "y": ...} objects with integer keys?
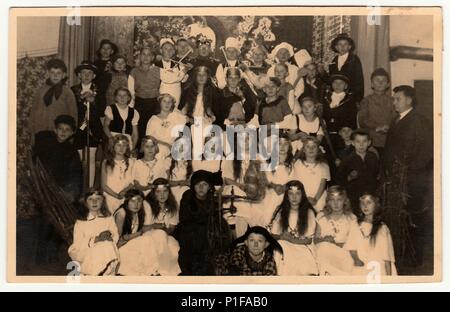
[
  {"x": 86, "y": 65},
  {"x": 273, "y": 243},
  {"x": 212, "y": 178},
  {"x": 112, "y": 44},
  {"x": 339, "y": 77},
  {"x": 342, "y": 37}
]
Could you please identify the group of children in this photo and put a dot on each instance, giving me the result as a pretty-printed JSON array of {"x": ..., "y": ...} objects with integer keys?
[{"x": 157, "y": 214}]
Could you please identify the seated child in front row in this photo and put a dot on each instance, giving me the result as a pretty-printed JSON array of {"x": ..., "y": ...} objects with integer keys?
[
  {"x": 251, "y": 254},
  {"x": 137, "y": 253},
  {"x": 59, "y": 156},
  {"x": 358, "y": 172},
  {"x": 334, "y": 225},
  {"x": 95, "y": 237},
  {"x": 293, "y": 225},
  {"x": 370, "y": 244}
]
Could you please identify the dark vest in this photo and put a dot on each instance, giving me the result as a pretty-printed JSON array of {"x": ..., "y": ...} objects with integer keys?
[{"x": 116, "y": 124}]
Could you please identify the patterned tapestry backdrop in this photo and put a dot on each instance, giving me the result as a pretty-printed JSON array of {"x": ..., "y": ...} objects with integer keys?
[
  {"x": 130, "y": 33},
  {"x": 270, "y": 30},
  {"x": 30, "y": 71},
  {"x": 325, "y": 28}
]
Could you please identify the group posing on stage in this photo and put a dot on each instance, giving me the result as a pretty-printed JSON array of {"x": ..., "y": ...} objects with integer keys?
[{"x": 146, "y": 212}]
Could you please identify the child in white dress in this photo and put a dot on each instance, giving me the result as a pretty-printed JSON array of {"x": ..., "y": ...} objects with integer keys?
[
  {"x": 164, "y": 219},
  {"x": 95, "y": 237},
  {"x": 370, "y": 244},
  {"x": 293, "y": 224},
  {"x": 334, "y": 225},
  {"x": 282, "y": 174},
  {"x": 180, "y": 171},
  {"x": 166, "y": 125},
  {"x": 149, "y": 167},
  {"x": 312, "y": 170},
  {"x": 196, "y": 104},
  {"x": 138, "y": 255},
  {"x": 117, "y": 171}
]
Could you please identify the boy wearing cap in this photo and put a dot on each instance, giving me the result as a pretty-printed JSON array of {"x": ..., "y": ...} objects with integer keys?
[
  {"x": 251, "y": 255},
  {"x": 204, "y": 51},
  {"x": 232, "y": 50},
  {"x": 168, "y": 64},
  {"x": 59, "y": 156},
  {"x": 377, "y": 110},
  {"x": 54, "y": 98},
  {"x": 348, "y": 64},
  {"x": 339, "y": 108},
  {"x": 314, "y": 86},
  {"x": 86, "y": 94}
]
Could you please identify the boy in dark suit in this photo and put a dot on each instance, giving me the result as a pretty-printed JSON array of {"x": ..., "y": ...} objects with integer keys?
[
  {"x": 358, "y": 171},
  {"x": 59, "y": 156},
  {"x": 348, "y": 64}
]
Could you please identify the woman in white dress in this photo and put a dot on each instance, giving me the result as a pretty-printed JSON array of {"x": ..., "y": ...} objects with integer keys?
[
  {"x": 313, "y": 171},
  {"x": 294, "y": 224},
  {"x": 370, "y": 244},
  {"x": 166, "y": 125},
  {"x": 282, "y": 174},
  {"x": 149, "y": 167},
  {"x": 164, "y": 219},
  {"x": 95, "y": 237},
  {"x": 334, "y": 225},
  {"x": 117, "y": 171}
]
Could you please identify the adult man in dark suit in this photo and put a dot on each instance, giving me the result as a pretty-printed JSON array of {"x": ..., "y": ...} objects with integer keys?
[{"x": 410, "y": 142}]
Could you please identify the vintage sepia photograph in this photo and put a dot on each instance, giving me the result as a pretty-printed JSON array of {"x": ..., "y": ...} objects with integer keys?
[{"x": 205, "y": 145}]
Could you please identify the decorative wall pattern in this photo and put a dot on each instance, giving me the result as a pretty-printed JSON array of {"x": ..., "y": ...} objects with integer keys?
[
  {"x": 118, "y": 29},
  {"x": 30, "y": 76},
  {"x": 325, "y": 28}
]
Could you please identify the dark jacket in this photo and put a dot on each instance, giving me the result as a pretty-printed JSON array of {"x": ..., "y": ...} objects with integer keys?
[
  {"x": 227, "y": 99},
  {"x": 95, "y": 124},
  {"x": 367, "y": 179},
  {"x": 410, "y": 141},
  {"x": 201, "y": 233},
  {"x": 61, "y": 160},
  {"x": 352, "y": 68},
  {"x": 317, "y": 91},
  {"x": 341, "y": 116}
]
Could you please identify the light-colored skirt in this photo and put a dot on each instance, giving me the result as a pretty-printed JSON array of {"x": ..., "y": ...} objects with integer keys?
[
  {"x": 298, "y": 260},
  {"x": 102, "y": 258},
  {"x": 153, "y": 253},
  {"x": 333, "y": 260}
]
